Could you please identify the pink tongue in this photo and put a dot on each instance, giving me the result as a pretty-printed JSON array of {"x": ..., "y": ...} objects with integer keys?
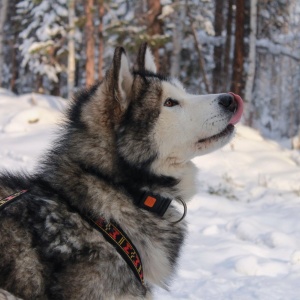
[{"x": 238, "y": 114}]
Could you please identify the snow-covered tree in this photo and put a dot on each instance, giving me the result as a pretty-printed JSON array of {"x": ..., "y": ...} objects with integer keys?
[
  {"x": 217, "y": 83},
  {"x": 276, "y": 101},
  {"x": 44, "y": 38},
  {"x": 237, "y": 82},
  {"x": 3, "y": 14},
  {"x": 179, "y": 16},
  {"x": 10, "y": 65},
  {"x": 252, "y": 59}
]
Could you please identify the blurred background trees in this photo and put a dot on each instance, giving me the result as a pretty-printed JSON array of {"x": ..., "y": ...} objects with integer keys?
[{"x": 251, "y": 47}]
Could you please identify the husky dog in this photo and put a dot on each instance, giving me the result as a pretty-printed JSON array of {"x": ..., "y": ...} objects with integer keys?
[{"x": 134, "y": 133}]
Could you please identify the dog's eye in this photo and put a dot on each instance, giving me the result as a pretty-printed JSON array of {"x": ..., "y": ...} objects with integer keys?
[{"x": 171, "y": 102}]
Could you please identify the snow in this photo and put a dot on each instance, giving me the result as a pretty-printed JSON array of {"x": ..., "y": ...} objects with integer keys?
[
  {"x": 27, "y": 124},
  {"x": 166, "y": 11},
  {"x": 244, "y": 225},
  {"x": 43, "y": 30}
]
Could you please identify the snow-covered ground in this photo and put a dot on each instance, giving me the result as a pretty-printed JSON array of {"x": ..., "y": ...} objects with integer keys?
[{"x": 244, "y": 222}]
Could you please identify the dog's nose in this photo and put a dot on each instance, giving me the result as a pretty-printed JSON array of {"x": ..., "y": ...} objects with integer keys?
[{"x": 228, "y": 102}]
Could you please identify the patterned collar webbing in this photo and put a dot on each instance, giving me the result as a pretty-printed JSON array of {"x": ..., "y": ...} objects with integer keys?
[
  {"x": 115, "y": 235},
  {"x": 112, "y": 233},
  {"x": 7, "y": 200}
]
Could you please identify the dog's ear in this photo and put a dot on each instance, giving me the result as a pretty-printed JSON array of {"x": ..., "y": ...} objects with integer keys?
[
  {"x": 121, "y": 77},
  {"x": 145, "y": 60}
]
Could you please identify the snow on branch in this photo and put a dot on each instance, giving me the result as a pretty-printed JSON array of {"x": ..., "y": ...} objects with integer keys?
[{"x": 276, "y": 49}]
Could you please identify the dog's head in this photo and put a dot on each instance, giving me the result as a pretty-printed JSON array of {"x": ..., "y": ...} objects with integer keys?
[
  {"x": 155, "y": 119},
  {"x": 163, "y": 121}
]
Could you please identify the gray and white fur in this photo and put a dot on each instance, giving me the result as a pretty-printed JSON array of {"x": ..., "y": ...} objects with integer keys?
[{"x": 135, "y": 131}]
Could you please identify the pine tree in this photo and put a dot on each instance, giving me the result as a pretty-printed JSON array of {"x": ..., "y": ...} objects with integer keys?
[
  {"x": 218, "y": 49},
  {"x": 43, "y": 40},
  {"x": 3, "y": 14},
  {"x": 252, "y": 60},
  {"x": 154, "y": 27},
  {"x": 237, "y": 84},
  {"x": 227, "y": 47},
  {"x": 177, "y": 35}
]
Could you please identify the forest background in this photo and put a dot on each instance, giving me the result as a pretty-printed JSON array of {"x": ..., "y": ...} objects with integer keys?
[{"x": 249, "y": 47}]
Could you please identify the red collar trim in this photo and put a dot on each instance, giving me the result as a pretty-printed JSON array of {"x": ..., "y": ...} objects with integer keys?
[
  {"x": 8, "y": 200},
  {"x": 116, "y": 236}
]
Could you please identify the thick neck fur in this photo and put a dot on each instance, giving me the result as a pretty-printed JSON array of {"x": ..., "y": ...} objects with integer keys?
[{"x": 89, "y": 191}]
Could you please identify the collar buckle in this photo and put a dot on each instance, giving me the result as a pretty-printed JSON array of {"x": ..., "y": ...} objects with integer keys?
[{"x": 154, "y": 203}]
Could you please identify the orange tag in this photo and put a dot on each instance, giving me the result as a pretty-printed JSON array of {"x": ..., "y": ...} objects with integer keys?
[{"x": 150, "y": 201}]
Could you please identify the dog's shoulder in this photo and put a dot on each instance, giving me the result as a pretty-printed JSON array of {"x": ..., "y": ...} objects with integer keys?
[{"x": 48, "y": 237}]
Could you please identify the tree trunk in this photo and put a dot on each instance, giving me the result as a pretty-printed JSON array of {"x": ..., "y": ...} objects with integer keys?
[
  {"x": 55, "y": 91},
  {"x": 3, "y": 14},
  {"x": 154, "y": 25},
  {"x": 14, "y": 65},
  {"x": 90, "y": 43},
  {"x": 179, "y": 18},
  {"x": 227, "y": 51},
  {"x": 252, "y": 59},
  {"x": 39, "y": 84},
  {"x": 14, "y": 58},
  {"x": 200, "y": 58},
  {"x": 139, "y": 12},
  {"x": 218, "y": 49},
  {"x": 101, "y": 40},
  {"x": 71, "y": 48},
  {"x": 237, "y": 83}
]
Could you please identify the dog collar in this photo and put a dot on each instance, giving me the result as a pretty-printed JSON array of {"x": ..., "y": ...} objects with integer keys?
[
  {"x": 9, "y": 199},
  {"x": 158, "y": 204},
  {"x": 154, "y": 203},
  {"x": 116, "y": 236}
]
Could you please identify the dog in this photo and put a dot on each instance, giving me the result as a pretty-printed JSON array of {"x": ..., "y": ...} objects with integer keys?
[{"x": 122, "y": 155}]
